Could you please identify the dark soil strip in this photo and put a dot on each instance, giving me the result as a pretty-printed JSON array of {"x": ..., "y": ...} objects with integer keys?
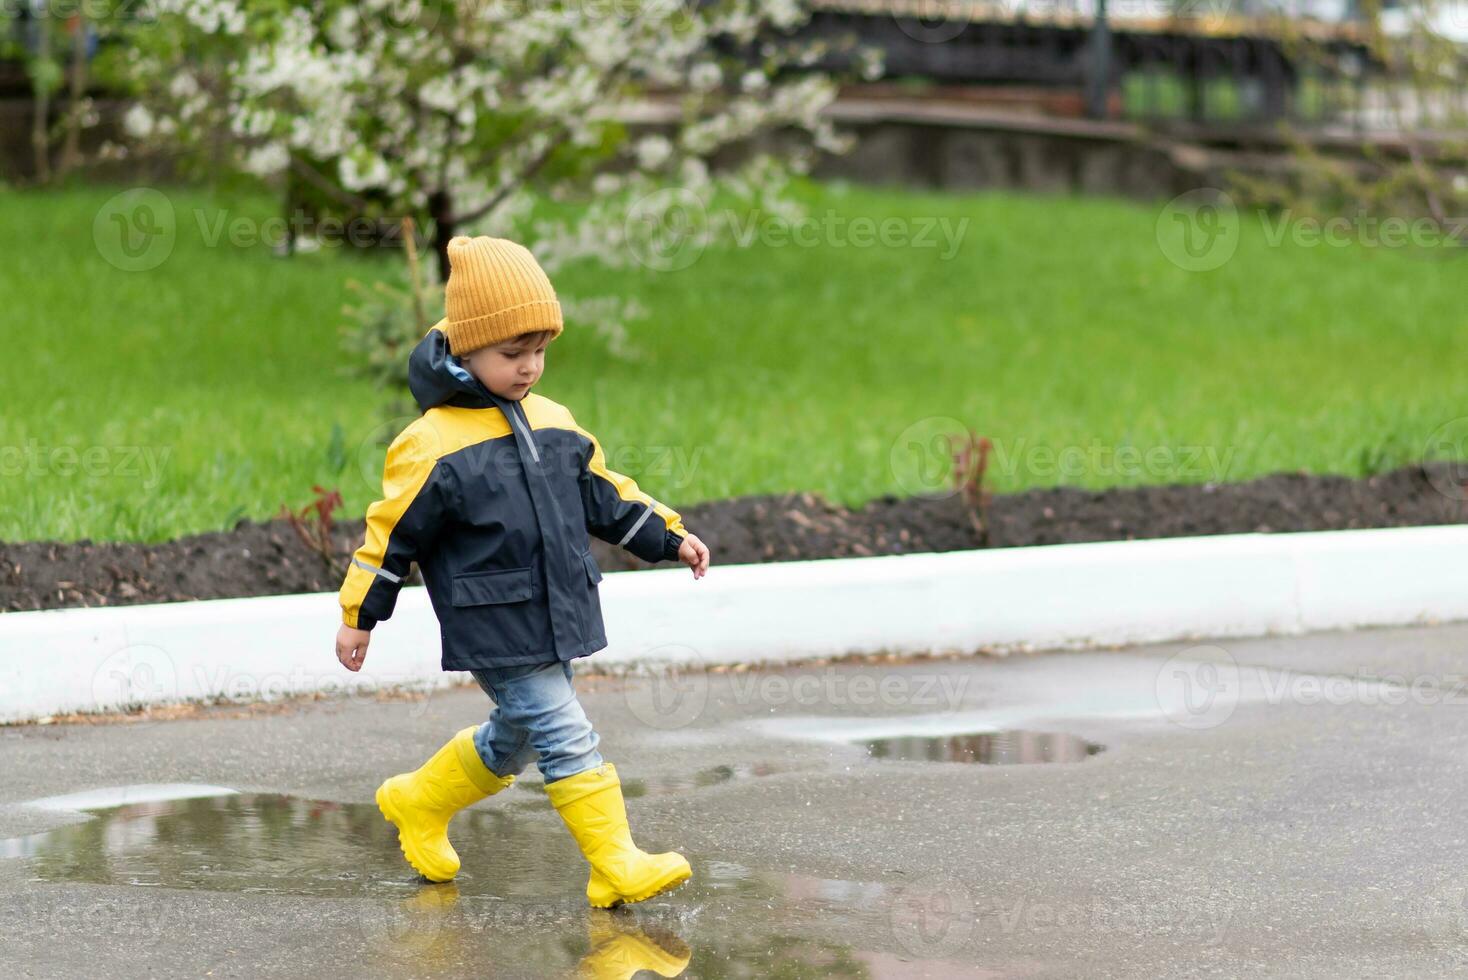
[{"x": 270, "y": 559}]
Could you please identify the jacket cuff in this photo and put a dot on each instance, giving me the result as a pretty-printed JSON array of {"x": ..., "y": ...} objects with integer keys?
[
  {"x": 671, "y": 543},
  {"x": 364, "y": 622}
]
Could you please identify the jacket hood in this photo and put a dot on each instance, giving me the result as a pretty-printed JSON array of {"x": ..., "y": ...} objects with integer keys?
[{"x": 436, "y": 378}]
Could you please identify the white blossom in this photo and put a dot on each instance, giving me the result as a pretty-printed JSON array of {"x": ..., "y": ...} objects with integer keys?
[
  {"x": 380, "y": 91},
  {"x": 183, "y": 85},
  {"x": 694, "y": 173},
  {"x": 343, "y": 28},
  {"x": 356, "y": 176},
  {"x": 653, "y": 151},
  {"x": 267, "y": 159},
  {"x": 440, "y": 93},
  {"x": 705, "y": 76},
  {"x": 138, "y": 121}
]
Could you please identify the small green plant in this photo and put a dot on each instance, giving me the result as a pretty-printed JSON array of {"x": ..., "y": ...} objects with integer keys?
[
  {"x": 235, "y": 515},
  {"x": 336, "y": 449},
  {"x": 389, "y": 318},
  {"x": 1383, "y": 457}
]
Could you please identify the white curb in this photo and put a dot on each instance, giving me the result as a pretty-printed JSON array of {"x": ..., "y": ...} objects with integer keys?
[{"x": 1077, "y": 595}]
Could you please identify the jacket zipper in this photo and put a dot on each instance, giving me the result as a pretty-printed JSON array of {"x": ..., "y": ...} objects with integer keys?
[{"x": 524, "y": 429}]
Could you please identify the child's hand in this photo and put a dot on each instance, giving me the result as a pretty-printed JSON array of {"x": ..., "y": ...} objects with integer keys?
[
  {"x": 695, "y": 554},
  {"x": 351, "y": 646}
]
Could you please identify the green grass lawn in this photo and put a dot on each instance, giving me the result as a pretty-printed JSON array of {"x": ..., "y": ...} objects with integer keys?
[{"x": 140, "y": 405}]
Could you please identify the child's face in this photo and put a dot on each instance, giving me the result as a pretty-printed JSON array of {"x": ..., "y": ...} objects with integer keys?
[{"x": 509, "y": 369}]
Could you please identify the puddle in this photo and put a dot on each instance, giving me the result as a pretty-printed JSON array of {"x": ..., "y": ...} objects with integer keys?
[
  {"x": 1018, "y": 712},
  {"x": 519, "y": 896},
  {"x": 271, "y": 843},
  {"x": 986, "y": 748},
  {"x": 106, "y": 797}
]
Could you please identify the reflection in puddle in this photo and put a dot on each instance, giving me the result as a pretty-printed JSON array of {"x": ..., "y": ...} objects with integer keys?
[
  {"x": 986, "y": 748},
  {"x": 680, "y": 783},
  {"x": 636, "y": 787},
  {"x": 620, "y": 947},
  {"x": 271, "y": 843},
  {"x": 518, "y": 902}
]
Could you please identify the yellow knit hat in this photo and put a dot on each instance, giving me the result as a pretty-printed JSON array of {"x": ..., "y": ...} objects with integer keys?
[{"x": 496, "y": 290}]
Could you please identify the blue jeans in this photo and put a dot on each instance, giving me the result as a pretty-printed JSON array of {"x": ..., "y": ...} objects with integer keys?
[{"x": 536, "y": 714}]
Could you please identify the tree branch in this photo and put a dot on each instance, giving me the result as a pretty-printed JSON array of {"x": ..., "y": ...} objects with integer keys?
[
  {"x": 316, "y": 180},
  {"x": 474, "y": 214}
]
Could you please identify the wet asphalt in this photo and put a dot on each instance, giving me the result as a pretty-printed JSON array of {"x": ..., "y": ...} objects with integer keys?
[{"x": 1290, "y": 807}]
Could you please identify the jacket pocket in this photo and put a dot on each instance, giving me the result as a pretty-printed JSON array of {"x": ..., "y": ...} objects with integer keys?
[
  {"x": 483, "y": 588},
  {"x": 593, "y": 570}
]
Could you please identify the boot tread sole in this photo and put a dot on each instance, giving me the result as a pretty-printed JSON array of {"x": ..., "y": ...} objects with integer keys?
[{"x": 666, "y": 886}]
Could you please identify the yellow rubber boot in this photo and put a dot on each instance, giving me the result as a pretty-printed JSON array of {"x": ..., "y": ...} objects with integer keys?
[
  {"x": 591, "y": 804},
  {"x": 619, "y": 951},
  {"x": 420, "y": 803}
]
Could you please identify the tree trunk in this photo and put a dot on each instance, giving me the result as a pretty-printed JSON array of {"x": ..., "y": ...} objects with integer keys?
[
  {"x": 40, "y": 121},
  {"x": 71, "y": 151},
  {"x": 441, "y": 210}
]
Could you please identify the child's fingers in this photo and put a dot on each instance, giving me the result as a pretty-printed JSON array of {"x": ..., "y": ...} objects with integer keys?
[
  {"x": 351, "y": 658},
  {"x": 698, "y": 558}
]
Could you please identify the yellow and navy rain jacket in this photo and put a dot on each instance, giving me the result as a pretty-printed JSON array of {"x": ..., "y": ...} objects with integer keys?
[{"x": 495, "y": 500}]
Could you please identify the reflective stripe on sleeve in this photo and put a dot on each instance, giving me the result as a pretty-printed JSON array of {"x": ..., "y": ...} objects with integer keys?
[
  {"x": 377, "y": 571},
  {"x": 640, "y": 521}
]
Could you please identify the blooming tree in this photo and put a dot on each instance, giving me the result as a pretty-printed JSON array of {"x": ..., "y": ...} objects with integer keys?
[{"x": 459, "y": 112}]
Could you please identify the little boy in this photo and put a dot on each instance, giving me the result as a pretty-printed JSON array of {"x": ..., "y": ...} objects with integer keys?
[{"x": 493, "y": 492}]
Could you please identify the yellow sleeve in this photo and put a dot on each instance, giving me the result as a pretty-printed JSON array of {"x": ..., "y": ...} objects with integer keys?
[{"x": 401, "y": 527}]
